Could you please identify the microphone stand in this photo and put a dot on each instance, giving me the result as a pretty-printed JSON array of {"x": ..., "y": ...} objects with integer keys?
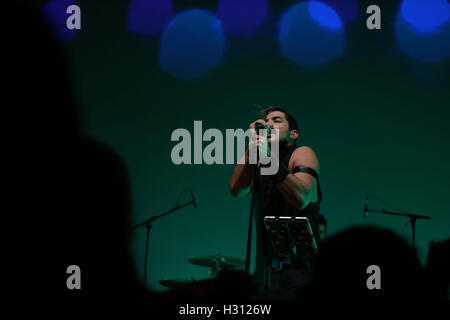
[
  {"x": 249, "y": 239},
  {"x": 250, "y": 224},
  {"x": 148, "y": 225},
  {"x": 413, "y": 218}
]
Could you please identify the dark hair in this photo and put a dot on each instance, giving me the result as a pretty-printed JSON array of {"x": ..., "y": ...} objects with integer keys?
[{"x": 292, "y": 123}]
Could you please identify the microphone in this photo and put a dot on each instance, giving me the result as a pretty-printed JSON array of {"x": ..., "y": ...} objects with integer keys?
[
  {"x": 193, "y": 199},
  {"x": 259, "y": 126},
  {"x": 366, "y": 204}
]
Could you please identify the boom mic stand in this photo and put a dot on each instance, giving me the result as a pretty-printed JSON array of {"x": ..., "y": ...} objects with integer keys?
[
  {"x": 412, "y": 217},
  {"x": 148, "y": 225}
]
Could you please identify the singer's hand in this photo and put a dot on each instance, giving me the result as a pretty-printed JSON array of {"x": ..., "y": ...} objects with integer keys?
[
  {"x": 260, "y": 141},
  {"x": 252, "y": 125},
  {"x": 256, "y": 139}
]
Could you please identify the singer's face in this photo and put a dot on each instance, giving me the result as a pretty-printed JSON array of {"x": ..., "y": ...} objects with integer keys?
[{"x": 277, "y": 120}]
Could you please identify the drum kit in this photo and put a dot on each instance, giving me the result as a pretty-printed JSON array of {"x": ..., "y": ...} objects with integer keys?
[{"x": 215, "y": 263}]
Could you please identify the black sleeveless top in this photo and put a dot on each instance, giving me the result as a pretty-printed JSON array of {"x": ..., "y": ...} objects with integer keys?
[{"x": 270, "y": 202}]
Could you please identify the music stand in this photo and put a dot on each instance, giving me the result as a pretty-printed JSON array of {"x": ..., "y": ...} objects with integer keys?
[{"x": 288, "y": 235}]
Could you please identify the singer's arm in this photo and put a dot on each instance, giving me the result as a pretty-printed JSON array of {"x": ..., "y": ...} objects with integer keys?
[
  {"x": 241, "y": 178},
  {"x": 299, "y": 189}
]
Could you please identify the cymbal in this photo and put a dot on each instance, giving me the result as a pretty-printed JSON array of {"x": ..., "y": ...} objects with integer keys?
[
  {"x": 217, "y": 260},
  {"x": 175, "y": 283}
]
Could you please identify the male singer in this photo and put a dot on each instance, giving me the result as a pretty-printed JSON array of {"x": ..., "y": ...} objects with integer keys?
[{"x": 293, "y": 191}]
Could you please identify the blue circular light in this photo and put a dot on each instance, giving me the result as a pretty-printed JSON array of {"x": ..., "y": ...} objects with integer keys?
[
  {"x": 311, "y": 34},
  {"x": 423, "y": 30},
  {"x": 425, "y": 16},
  {"x": 324, "y": 15},
  {"x": 192, "y": 45},
  {"x": 55, "y": 13}
]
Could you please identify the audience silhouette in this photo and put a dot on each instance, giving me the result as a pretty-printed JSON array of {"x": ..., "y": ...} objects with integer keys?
[
  {"x": 341, "y": 267},
  {"x": 69, "y": 198}
]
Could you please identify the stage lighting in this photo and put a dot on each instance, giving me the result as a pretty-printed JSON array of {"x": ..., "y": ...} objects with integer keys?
[
  {"x": 241, "y": 18},
  {"x": 192, "y": 44},
  {"x": 423, "y": 29},
  {"x": 149, "y": 17},
  {"x": 425, "y": 16},
  {"x": 324, "y": 15},
  {"x": 55, "y": 13},
  {"x": 346, "y": 9},
  {"x": 311, "y": 34}
]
